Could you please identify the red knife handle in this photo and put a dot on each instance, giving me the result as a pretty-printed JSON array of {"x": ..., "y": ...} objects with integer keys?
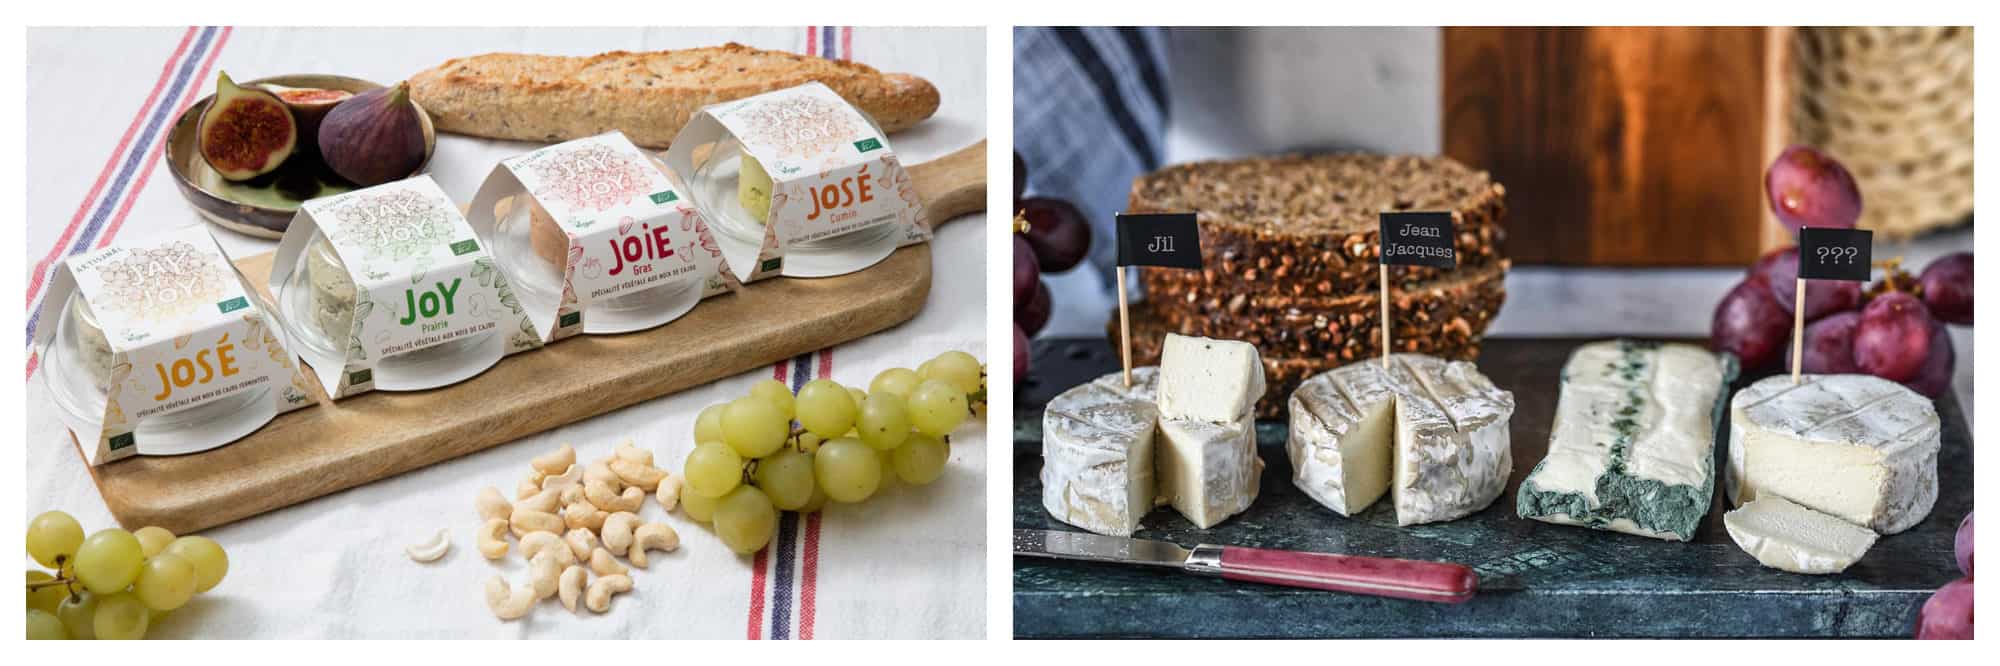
[{"x": 1440, "y": 582}]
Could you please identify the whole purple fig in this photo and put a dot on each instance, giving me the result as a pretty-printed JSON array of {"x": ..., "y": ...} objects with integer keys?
[{"x": 374, "y": 137}]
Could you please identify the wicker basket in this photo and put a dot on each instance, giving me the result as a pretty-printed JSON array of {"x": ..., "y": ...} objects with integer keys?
[{"x": 1894, "y": 105}]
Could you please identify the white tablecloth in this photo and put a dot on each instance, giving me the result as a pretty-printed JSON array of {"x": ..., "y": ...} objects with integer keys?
[{"x": 908, "y": 563}]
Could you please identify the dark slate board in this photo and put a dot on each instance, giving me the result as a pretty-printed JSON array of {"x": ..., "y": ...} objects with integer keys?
[{"x": 1536, "y": 579}]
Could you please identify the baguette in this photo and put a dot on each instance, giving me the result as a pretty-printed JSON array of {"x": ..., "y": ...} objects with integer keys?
[{"x": 649, "y": 96}]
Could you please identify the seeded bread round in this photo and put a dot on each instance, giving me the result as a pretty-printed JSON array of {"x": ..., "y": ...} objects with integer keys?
[{"x": 1308, "y": 222}]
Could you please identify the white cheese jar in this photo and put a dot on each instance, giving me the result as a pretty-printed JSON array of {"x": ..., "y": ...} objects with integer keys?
[
  {"x": 318, "y": 307},
  {"x": 81, "y": 368}
]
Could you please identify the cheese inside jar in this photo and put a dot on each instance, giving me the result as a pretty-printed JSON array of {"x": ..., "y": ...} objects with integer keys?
[
  {"x": 740, "y": 192},
  {"x": 318, "y": 302},
  {"x": 83, "y": 367},
  {"x": 535, "y": 251}
]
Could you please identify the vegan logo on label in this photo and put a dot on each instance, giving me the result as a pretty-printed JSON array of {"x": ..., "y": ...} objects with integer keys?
[
  {"x": 1418, "y": 238},
  {"x": 868, "y": 144},
  {"x": 1159, "y": 239},
  {"x": 1835, "y": 254}
]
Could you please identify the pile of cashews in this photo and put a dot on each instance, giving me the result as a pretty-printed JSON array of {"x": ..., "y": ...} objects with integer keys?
[{"x": 573, "y": 521}]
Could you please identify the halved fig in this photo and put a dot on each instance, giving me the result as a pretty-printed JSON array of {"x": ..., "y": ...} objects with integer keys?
[
  {"x": 309, "y": 106},
  {"x": 374, "y": 137},
  {"x": 245, "y": 132}
]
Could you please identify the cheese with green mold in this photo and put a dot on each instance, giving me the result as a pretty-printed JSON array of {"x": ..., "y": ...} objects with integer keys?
[{"x": 1632, "y": 448}]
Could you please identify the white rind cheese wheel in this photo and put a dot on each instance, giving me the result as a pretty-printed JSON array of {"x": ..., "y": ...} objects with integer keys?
[
  {"x": 1097, "y": 453},
  {"x": 1439, "y": 447},
  {"x": 1859, "y": 447}
]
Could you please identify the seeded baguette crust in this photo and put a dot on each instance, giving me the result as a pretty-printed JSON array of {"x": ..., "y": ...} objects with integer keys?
[
  {"x": 1457, "y": 309},
  {"x": 649, "y": 96},
  {"x": 1283, "y": 374},
  {"x": 1308, "y": 223}
]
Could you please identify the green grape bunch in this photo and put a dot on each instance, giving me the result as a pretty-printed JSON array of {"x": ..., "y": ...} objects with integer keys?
[
  {"x": 113, "y": 583},
  {"x": 773, "y": 450}
]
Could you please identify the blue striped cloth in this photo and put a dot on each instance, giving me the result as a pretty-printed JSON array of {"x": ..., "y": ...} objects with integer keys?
[{"x": 1090, "y": 114}]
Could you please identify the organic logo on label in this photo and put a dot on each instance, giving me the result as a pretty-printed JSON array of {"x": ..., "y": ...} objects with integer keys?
[
  {"x": 570, "y": 319},
  {"x": 773, "y": 264},
  {"x": 233, "y": 304},
  {"x": 665, "y": 197},
  {"x": 866, "y": 145},
  {"x": 162, "y": 282},
  {"x": 464, "y": 247},
  {"x": 121, "y": 441},
  {"x": 360, "y": 376}
]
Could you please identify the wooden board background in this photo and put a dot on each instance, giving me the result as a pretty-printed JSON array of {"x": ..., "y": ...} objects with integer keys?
[
  {"x": 1621, "y": 146},
  {"x": 338, "y": 445}
]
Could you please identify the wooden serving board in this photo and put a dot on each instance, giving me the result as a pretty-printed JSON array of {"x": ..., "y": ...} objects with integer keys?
[
  {"x": 1535, "y": 579},
  {"x": 339, "y": 445}
]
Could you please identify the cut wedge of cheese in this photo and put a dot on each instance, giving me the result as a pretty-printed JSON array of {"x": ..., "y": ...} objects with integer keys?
[
  {"x": 1208, "y": 471},
  {"x": 1204, "y": 379},
  {"x": 1632, "y": 448},
  {"x": 1858, "y": 447},
  {"x": 1097, "y": 453},
  {"x": 1784, "y": 535},
  {"x": 1429, "y": 432}
]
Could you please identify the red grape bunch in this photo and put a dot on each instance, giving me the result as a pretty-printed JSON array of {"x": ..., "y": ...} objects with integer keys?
[
  {"x": 1050, "y": 236},
  {"x": 1894, "y": 329}
]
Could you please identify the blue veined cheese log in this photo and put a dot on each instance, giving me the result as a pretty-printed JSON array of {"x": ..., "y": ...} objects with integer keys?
[{"x": 1633, "y": 445}]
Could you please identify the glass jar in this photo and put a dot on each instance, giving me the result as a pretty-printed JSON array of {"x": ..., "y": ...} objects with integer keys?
[
  {"x": 80, "y": 370},
  {"x": 317, "y": 300}
]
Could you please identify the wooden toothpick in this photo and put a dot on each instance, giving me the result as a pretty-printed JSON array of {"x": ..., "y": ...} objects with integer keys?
[
  {"x": 1124, "y": 330},
  {"x": 1385, "y": 313},
  {"x": 1798, "y": 328}
]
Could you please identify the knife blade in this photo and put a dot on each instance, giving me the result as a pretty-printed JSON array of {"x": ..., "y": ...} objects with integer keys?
[{"x": 1440, "y": 582}]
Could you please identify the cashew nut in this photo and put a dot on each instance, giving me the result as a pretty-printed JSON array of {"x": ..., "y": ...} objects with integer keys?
[
  {"x": 600, "y": 472},
  {"x": 606, "y": 497},
  {"x": 644, "y": 476},
  {"x": 492, "y": 539},
  {"x": 603, "y": 564},
  {"x": 617, "y": 532},
  {"x": 572, "y": 494},
  {"x": 430, "y": 551},
  {"x": 654, "y": 536},
  {"x": 524, "y": 521},
  {"x": 669, "y": 492},
  {"x": 554, "y": 462},
  {"x": 598, "y": 598},
  {"x": 543, "y": 570},
  {"x": 528, "y": 487},
  {"x": 584, "y": 515},
  {"x": 570, "y": 586},
  {"x": 492, "y": 504},
  {"x": 536, "y": 543},
  {"x": 626, "y": 451},
  {"x": 581, "y": 541},
  {"x": 509, "y": 604},
  {"x": 570, "y": 477},
  {"x": 543, "y": 501}
]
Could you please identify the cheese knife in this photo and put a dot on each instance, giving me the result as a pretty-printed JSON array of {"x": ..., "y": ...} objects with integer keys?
[{"x": 1440, "y": 582}]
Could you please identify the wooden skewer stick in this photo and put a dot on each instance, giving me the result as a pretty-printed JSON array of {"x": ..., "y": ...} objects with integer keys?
[
  {"x": 1798, "y": 328},
  {"x": 1124, "y": 329},
  {"x": 1385, "y": 314}
]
